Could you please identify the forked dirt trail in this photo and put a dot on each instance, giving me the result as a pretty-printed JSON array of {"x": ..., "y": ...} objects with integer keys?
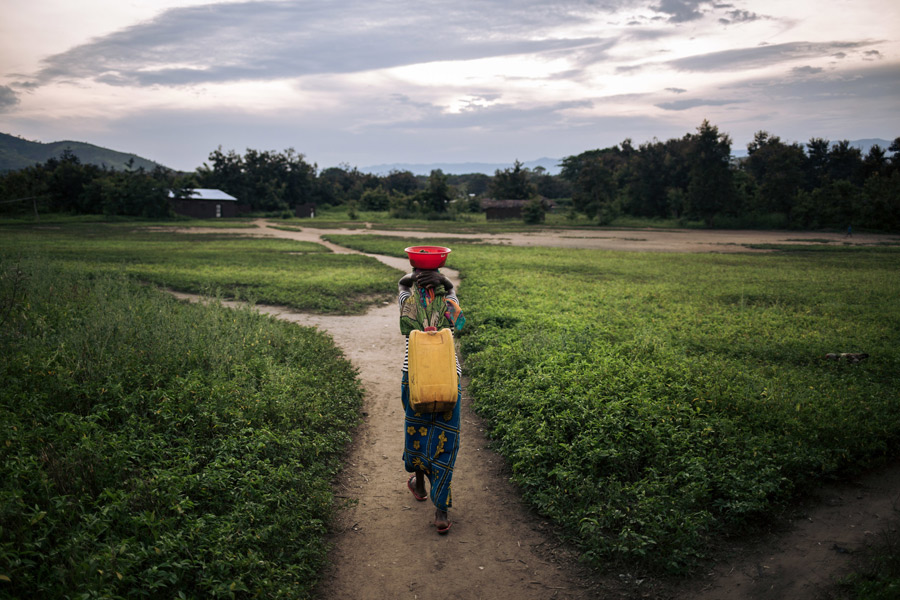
[{"x": 386, "y": 548}]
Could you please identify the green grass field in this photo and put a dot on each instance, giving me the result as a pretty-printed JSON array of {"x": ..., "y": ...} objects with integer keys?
[
  {"x": 301, "y": 275},
  {"x": 652, "y": 403},
  {"x": 160, "y": 449},
  {"x": 149, "y": 445}
]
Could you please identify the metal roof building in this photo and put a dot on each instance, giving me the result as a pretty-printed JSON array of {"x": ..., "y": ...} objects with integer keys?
[{"x": 205, "y": 203}]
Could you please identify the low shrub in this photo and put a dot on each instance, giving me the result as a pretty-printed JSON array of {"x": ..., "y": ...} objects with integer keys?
[
  {"x": 653, "y": 403},
  {"x": 158, "y": 449}
]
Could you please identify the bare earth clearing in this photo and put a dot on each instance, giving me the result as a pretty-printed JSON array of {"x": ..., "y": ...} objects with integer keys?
[{"x": 386, "y": 548}]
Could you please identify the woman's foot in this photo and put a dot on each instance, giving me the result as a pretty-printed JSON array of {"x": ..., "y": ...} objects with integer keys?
[
  {"x": 417, "y": 488},
  {"x": 442, "y": 521}
]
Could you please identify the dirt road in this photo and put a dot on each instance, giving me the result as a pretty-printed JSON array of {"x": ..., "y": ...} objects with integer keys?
[
  {"x": 386, "y": 548},
  {"x": 635, "y": 240}
]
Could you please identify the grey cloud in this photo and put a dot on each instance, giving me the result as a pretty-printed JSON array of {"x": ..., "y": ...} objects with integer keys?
[
  {"x": 499, "y": 117},
  {"x": 807, "y": 70},
  {"x": 272, "y": 39},
  {"x": 591, "y": 53},
  {"x": 873, "y": 85},
  {"x": 739, "y": 16},
  {"x": 695, "y": 102},
  {"x": 8, "y": 97},
  {"x": 680, "y": 11},
  {"x": 409, "y": 102},
  {"x": 759, "y": 56},
  {"x": 870, "y": 54},
  {"x": 650, "y": 34},
  {"x": 839, "y": 55},
  {"x": 676, "y": 90}
]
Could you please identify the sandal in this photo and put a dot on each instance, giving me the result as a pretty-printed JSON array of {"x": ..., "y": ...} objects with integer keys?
[
  {"x": 442, "y": 529},
  {"x": 412, "y": 488}
]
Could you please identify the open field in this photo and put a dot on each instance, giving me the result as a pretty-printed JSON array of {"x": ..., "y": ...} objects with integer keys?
[
  {"x": 693, "y": 388},
  {"x": 651, "y": 403},
  {"x": 155, "y": 448},
  {"x": 304, "y": 275}
]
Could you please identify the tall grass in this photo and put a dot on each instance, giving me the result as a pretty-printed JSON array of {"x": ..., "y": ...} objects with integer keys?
[
  {"x": 651, "y": 403},
  {"x": 157, "y": 449}
]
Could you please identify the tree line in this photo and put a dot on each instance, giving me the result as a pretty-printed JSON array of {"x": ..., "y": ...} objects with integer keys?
[
  {"x": 821, "y": 185},
  {"x": 692, "y": 178}
]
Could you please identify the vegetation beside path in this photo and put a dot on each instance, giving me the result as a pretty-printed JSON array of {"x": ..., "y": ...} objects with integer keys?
[
  {"x": 649, "y": 403},
  {"x": 155, "y": 447},
  {"x": 159, "y": 449},
  {"x": 653, "y": 403}
]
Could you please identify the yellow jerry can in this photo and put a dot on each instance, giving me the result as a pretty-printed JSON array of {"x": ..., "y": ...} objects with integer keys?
[{"x": 433, "y": 380}]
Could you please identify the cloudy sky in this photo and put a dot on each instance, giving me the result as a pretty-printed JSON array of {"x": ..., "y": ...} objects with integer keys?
[{"x": 367, "y": 82}]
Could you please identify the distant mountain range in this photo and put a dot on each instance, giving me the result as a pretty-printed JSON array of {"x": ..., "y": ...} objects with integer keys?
[
  {"x": 17, "y": 153},
  {"x": 865, "y": 145},
  {"x": 550, "y": 164}
]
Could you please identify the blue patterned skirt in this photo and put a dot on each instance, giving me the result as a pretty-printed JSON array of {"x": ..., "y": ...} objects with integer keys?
[{"x": 431, "y": 444}]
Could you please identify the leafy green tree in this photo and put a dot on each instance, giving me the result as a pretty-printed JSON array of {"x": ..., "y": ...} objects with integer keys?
[
  {"x": 23, "y": 191},
  {"x": 817, "y": 162},
  {"x": 845, "y": 163},
  {"x": 594, "y": 176},
  {"x": 534, "y": 211},
  {"x": 375, "y": 199},
  {"x": 894, "y": 160},
  {"x": 550, "y": 186},
  {"x": 266, "y": 180},
  {"x": 875, "y": 163},
  {"x": 881, "y": 203},
  {"x": 131, "y": 193},
  {"x": 406, "y": 206},
  {"x": 338, "y": 185},
  {"x": 836, "y": 204},
  {"x": 226, "y": 174},
  {"x": 594, "y": 188},
  {"x": 66, "y": 178},
  {"x": 400, "y": 182},
  {"x": 471, "y": 183},
  {"x": 334, "y": 184},
  {"x": 438, "y": 194},
  {"x": 711, "y": 189},
  {"x": 646, "y": 181},
  {"x": 778, "y": 170},
  {"x": 512, "y": 184}
]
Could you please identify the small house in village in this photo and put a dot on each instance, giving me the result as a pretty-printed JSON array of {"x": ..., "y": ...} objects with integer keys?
[
  {"x": 205, "y": 204},
  {"x": 496, "y": 210},
  {"x": 305, "y": 211}
]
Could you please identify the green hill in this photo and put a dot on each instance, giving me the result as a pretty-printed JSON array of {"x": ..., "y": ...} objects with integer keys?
[{"x": 17, "y": 153}]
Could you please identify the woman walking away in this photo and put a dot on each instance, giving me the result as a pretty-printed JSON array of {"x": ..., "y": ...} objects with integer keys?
[{"x": 428, "y": 303}]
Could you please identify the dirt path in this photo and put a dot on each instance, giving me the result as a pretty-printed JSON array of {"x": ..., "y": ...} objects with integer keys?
[
  {"x": 386, "y": 548},
  {"x": 384, "y": 545},
  {"x": 635, "y": 240}
]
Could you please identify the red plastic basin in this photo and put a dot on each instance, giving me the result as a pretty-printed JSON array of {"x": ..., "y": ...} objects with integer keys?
[{"x": 427, "y": 257}]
